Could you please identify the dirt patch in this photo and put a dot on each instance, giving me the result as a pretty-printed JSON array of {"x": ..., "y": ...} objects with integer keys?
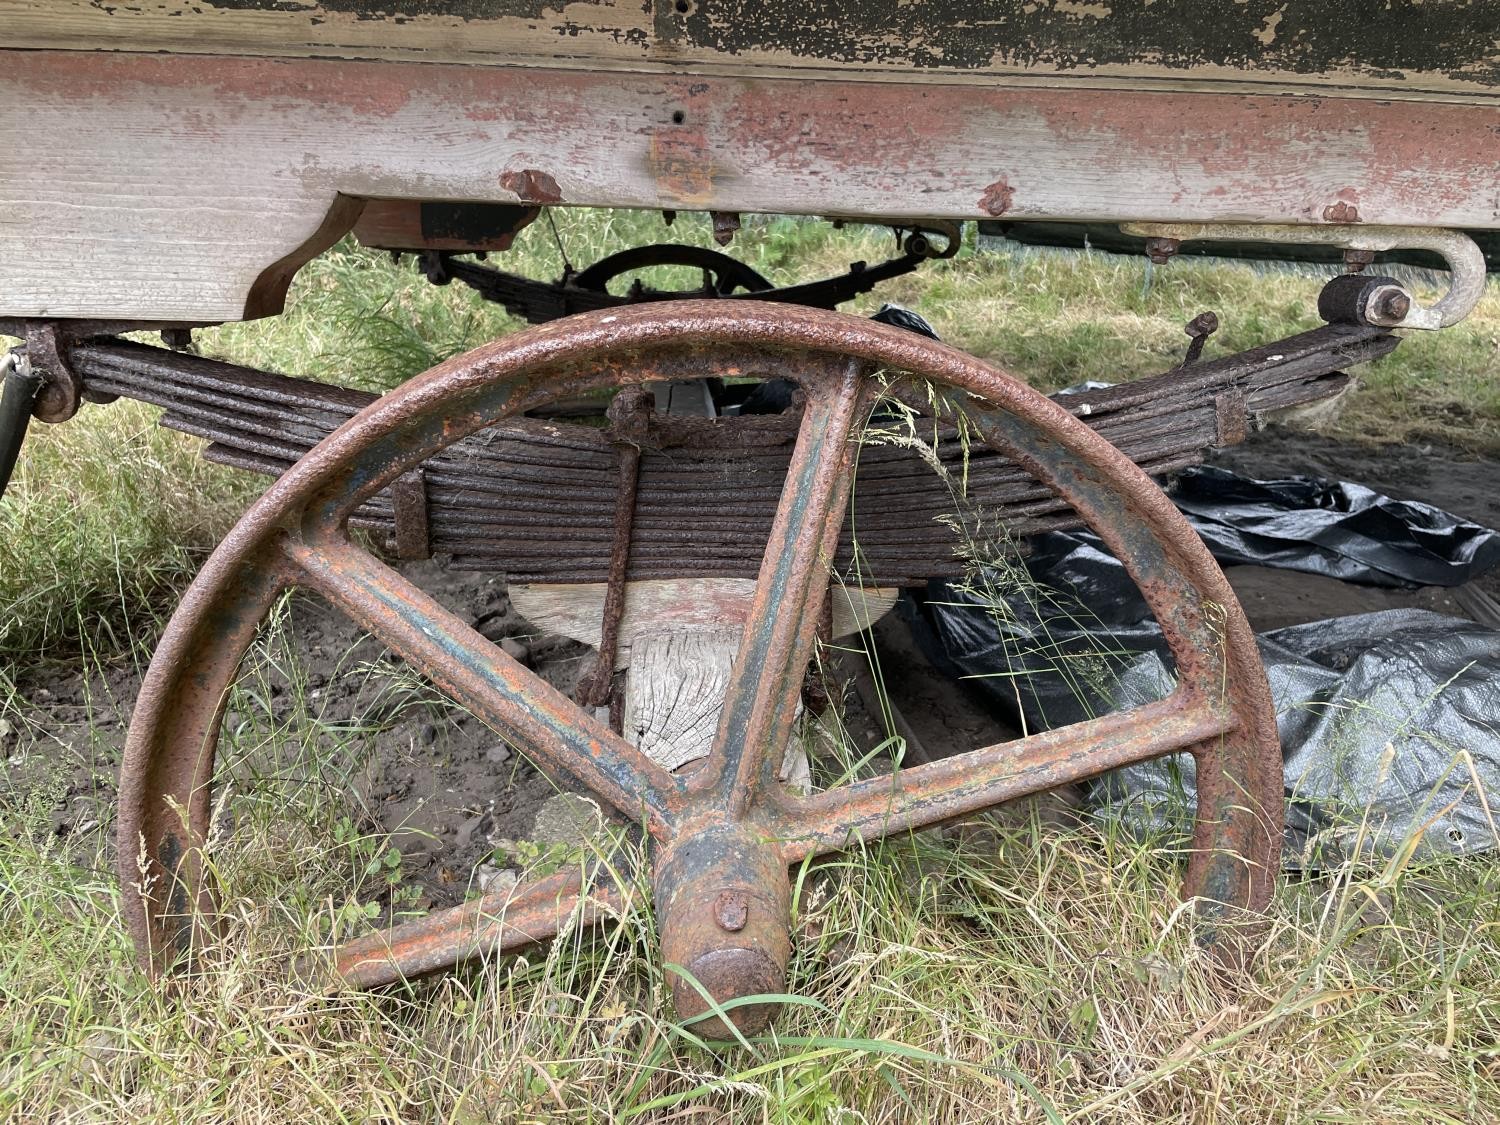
[{"x": 448, "y": 788}]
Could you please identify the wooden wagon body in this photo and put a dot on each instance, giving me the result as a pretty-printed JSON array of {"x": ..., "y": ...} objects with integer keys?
[{"x": 177, "y": 161}]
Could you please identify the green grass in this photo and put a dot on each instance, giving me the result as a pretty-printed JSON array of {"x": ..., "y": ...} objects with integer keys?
[{"x": 972, "y": 974}]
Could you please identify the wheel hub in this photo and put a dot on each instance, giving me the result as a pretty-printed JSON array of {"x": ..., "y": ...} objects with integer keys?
[{"x": 723, "y": 909}]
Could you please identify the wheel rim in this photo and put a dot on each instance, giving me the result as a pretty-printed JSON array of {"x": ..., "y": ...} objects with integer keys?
[{"x": 725, "y": 833}]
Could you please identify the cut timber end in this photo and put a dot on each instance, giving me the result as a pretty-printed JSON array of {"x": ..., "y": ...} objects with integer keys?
[
  {"x": 676, "y": 605},
  {"x": 674, "y": 692}
]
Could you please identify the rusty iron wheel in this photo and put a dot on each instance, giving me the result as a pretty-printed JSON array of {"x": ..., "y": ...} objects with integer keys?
[{"x": 723, "y": 835}]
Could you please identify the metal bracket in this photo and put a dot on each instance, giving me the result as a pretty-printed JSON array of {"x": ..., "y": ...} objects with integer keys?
[
  {"x": 630, "y": 416},
  {"x": 1465, "y": 260},
  {"x": 62, "y": 389},
  {"x": 19, "y": 385},
  {"x": 409, "y": 501}
]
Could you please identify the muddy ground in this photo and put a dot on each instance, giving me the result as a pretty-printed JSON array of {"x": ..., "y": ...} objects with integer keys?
[{"x": 452, "y": 791}]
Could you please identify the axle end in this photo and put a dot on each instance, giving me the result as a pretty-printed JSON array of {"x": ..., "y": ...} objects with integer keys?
[{"x": 723, "y": 904}]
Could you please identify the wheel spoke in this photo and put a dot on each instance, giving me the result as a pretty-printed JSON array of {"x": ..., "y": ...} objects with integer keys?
[
  {"x": 1236, "y": 838},
  {"x": 496, "y": 923},
  {"x": 969, "y": 783},
  {"x": 761, "y": 701},
  {"x": 558, "y": 737}
]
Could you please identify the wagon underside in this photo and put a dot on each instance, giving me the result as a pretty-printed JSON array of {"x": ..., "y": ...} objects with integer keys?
[{"x": 172, "y": 163}]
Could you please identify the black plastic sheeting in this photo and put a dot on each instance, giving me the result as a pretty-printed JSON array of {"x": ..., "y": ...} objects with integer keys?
[
  {"x": 1334, "y": 528},
  {"x": 1389, "y": 722}
]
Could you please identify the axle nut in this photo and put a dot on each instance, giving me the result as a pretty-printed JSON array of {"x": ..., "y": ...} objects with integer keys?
[
  {"x": 1388, "y": 305},
  {"x": 1359, "y": 299},
  {"x": 1162, "y": 250}
]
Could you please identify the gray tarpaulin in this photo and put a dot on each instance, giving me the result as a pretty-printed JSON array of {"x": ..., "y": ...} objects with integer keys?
[
  {"x": 1335, "y": 528},
  {"x": 1390, "y": 734}
]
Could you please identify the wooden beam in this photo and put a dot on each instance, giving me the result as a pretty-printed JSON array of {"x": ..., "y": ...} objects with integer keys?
[{"x": 187, "y": 188}]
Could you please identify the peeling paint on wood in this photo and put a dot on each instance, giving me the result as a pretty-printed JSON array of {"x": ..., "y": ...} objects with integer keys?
[{"x": 1416, "y": 45}]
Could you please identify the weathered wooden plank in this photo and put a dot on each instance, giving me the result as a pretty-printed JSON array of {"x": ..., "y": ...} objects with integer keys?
[
  {"x": 188, "y": 188},
  {"x": 1402, "y": 47},
  {"x": 687, "y": 604}
]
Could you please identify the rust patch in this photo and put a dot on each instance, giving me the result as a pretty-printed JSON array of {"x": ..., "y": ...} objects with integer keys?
[
  {"x": 532, "y": 185},
  {"x": 997, "y": 198},
  {"x": 682, "y": 165},
  {"x": 1341, "y": 212}
]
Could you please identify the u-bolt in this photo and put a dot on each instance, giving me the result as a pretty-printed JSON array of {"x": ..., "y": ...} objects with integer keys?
[{"x": 1465, "y": 260}]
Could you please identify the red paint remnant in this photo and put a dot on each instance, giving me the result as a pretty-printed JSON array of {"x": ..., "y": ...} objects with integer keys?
[
  {"x": 373, "y": 92},
  {"x": 532, "y": 186},
  {"x": 998, "y": 197},
  {"x": 1341, "y": 212}
]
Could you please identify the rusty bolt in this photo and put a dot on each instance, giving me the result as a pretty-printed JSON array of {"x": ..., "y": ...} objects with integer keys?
[
  {"x": 629, "y": 414},
  {"x": 1387, "y": 305},
  {"x": 1204, "y": 324},
  {"x": 1162, "y": 250},
  {"x": 725, "y": 224},
  {"x": 1355, "y": 261},
  {"x": 731, "y": 910},
  {"x": 1200, "y": 328},
  {"x": 997, "y": 198}
]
